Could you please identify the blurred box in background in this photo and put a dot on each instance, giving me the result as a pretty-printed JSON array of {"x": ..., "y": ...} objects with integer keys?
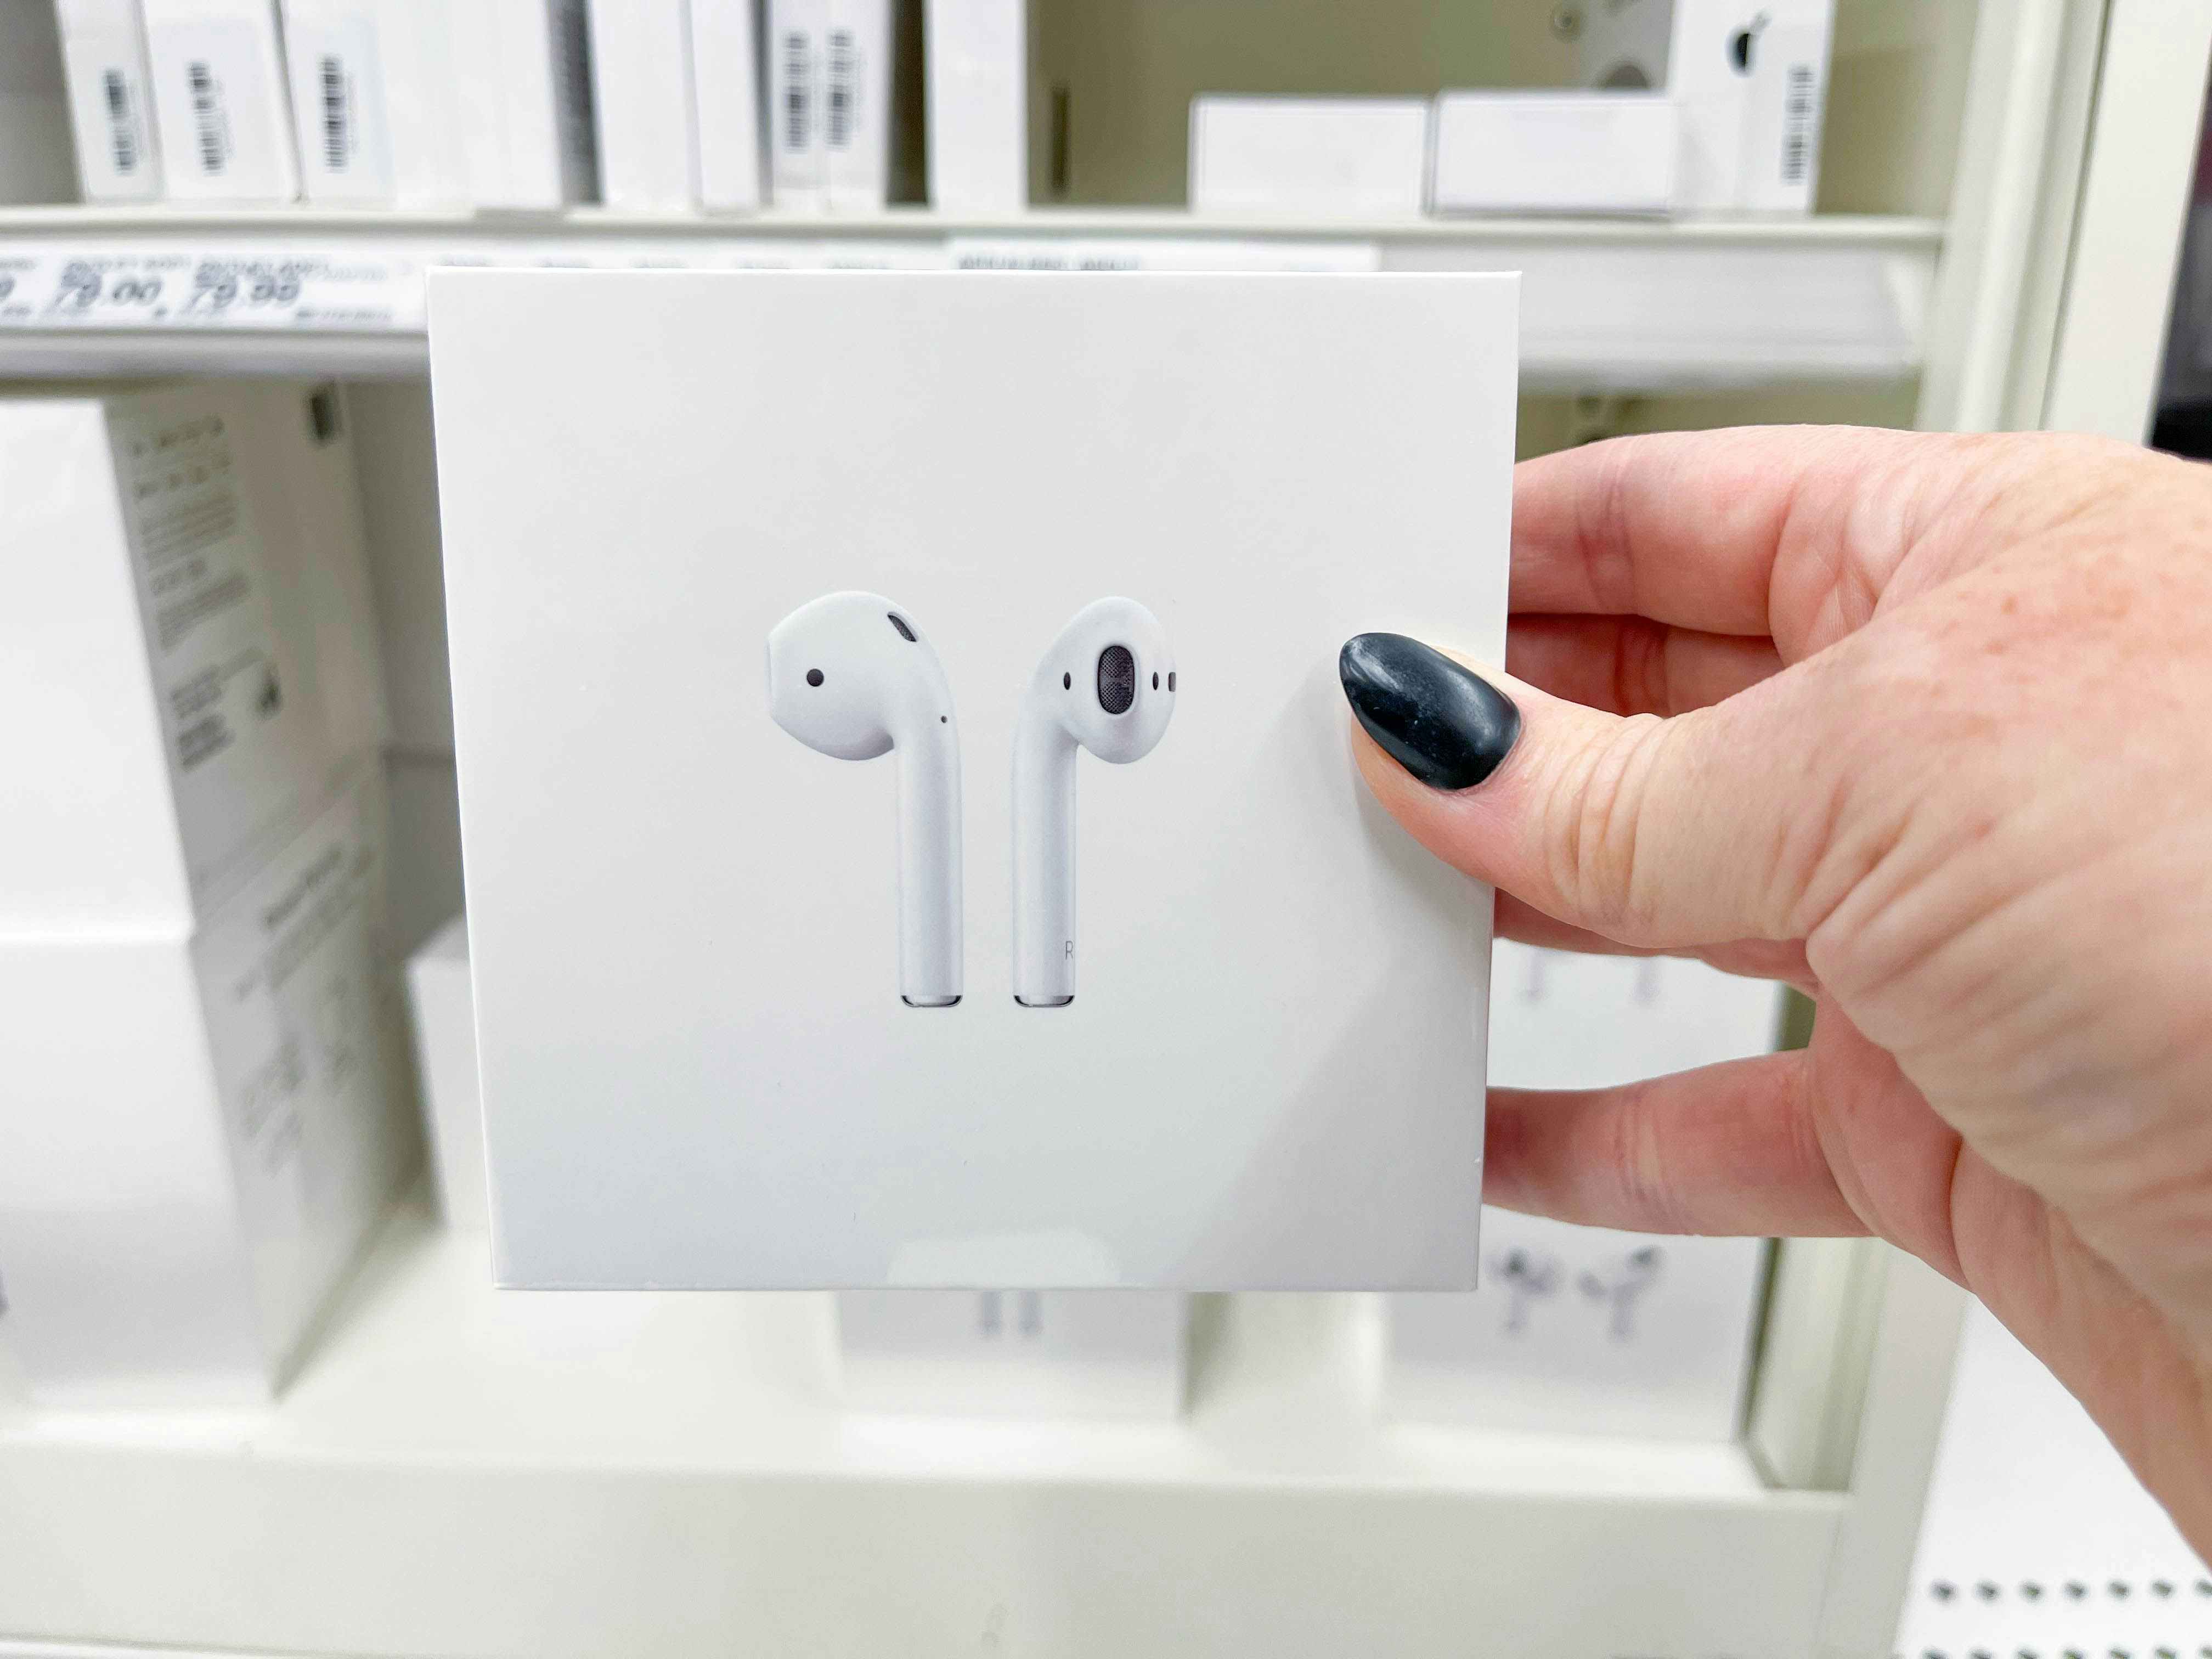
[
  {"x": 220, "y": 100},
  {"x": 1318, "y": 157},
  {"x": 1555, "y": 152},
  {"x": 1116, "y": 1354},
  {"x": 1580, "y": 1329},
  {"x": 524, "y": 68},
  {"x": 979, "y": 55},
  {"x": 444, "y": 1018},
  {"x": 111, "y": 99},
  {"x": 373, "y": 101},
  {"x": 641, "y": 103},
  {"x": 200, "y": 1128},
  {"x": 727, "y": 104}
]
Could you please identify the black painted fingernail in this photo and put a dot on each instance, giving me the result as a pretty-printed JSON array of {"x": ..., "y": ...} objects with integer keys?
[{"x": 1447, "y": 725}]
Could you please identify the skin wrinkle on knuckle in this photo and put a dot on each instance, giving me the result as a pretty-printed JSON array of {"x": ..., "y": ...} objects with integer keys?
[{"x": 1593, "y": 814}]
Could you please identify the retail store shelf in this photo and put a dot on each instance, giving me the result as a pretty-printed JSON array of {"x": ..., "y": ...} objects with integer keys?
[
  {"x": 1618, "y": 305},
  {"x": 458, "y": 1469}
]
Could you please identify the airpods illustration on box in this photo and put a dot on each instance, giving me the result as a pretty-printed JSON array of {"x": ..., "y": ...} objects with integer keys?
[
  {"x": 851, "y": 676},
  {"x": 1107, "y": 684}
]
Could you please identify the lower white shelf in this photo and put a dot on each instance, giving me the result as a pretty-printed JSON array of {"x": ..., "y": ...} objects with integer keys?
[
  {"x": 457, "y": 1469},
  {"x": 1609, "y": 304}
]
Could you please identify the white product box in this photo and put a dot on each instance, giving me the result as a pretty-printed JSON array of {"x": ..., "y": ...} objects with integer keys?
[
  {"x": 1750, "y": 77},
  {"x": 36, "y": 162},
  {"x": 200, "y": 1129},
  {"x": 798, "y": 47},
  {"x": 1580, "y": 1329},
  {"x": 1553, "y": 152},
  {"x": 860, "y": 45},
  {"x": 526, "y": 112},
  {"x": 1253, "y": 1090},
  {"x": 374, "y": 90},
  {"x": 111, "y": 98},
  {"x": 727, "y": 104},
  {"x": 641, "y": 100},
  {"x": 220, "y": 100},
  {"x": 977, "y": 57},
  {"x": 1109, "y": 1354},
  {"x": 190, "y": 652},
  {"x": 445, "y": 1060},
  {"x": 1308, "y": 156}
]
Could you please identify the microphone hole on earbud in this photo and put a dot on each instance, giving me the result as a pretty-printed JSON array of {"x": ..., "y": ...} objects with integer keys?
[
  {"x": 1156, "y": 682},
  {"x": 1067, "y": 682},
  {"x": 814, "y": 677},
  {"x": 899, "y": 622},
  {"x": 1171, "y": 679}
]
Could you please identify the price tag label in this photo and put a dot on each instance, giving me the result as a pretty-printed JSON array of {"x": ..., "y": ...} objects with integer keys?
[{"x": 123, "y": 288}]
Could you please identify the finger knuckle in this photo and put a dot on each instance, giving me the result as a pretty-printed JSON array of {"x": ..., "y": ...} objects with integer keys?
[{"x": 1595, "y": 820}]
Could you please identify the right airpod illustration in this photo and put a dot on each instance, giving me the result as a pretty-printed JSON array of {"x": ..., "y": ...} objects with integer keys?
[
  {"x": 1620, "y": 1292},
  {"x": 1107, "y": 684}
]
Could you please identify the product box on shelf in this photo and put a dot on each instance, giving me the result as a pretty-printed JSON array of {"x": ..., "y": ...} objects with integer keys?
[
  {"x": 642, "y": 104},
  {"x": 35, "y": 155},
  {"x": 220, "y": 100},
  {"x": 977, "y": 57},
  {"x": 200, "y": 1128},
  {"x": 1308, "y": 156},
  {"x": 1553, "y": 152},
  {"x": 1100, "y": 1354},
  {"x": 798, "y": 44},
  {"x": 1581, "y": 1330},
  {"x": 726, "y": 101},
  {"x": 190, "y": 649},
  {"x": 1210, "y": 1020},
  {"x": 111, "y": 99},
  {"x": 444, "y": 1018},
  {"x": 525, "y": 68},
  {"x": 374, "y": 101},
  {"x": 1750, "y": 78}
]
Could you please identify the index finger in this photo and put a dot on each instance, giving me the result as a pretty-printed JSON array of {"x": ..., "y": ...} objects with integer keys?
[{"x": 1759, "y": 531}]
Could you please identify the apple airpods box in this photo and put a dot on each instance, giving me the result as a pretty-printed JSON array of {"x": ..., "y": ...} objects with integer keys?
[{"x": 1057, "y": 568}]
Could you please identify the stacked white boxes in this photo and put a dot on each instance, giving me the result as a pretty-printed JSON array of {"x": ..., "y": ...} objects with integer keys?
[
  {"x": 220, "y": 99},
  {"x": 204, "y": 1118},
  {"x": 110, "y": 100}
]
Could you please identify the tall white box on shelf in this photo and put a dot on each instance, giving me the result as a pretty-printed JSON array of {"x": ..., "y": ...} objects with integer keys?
[
  {"x": 797, "y": 55},
  {"x": 220, "y": 99},
  {"x": 1581, "y": 1330},
  {"x": 977, "y": 57},
  {"x": 1346, "y": 157},
  {"x": 190, "y": 650},
  {"x": 726, "y": 98},
  {"x": 1750, "y": 78},
  {"x": 201, "y": 1127},
  {"x": 526, "y": 112},
  {"x": 374, "y": 101},
  {"x": 111, "y": 98},
  {"x": 642, "y": 102},
  {"x": 1196, "y": 1118},
  {"x": 859, "y": 44},
  {"x": 1099, "y": 1354}
]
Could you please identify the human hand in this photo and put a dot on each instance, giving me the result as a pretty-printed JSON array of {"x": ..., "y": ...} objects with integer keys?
[{"x": 1923, "y": 726}]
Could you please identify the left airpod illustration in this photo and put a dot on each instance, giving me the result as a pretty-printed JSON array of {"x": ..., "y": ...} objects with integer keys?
[{"x": 851, "y": 676}]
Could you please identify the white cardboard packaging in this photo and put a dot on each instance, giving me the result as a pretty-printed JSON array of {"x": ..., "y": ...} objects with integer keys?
[
  {"x": 1580, "y": 1329},
  {"x": 111, "y": 98},
  {"x": 526, "y": 115},
  {"x": 200, "y": 1128},
  {"x": 373, "y": 91},
  {"x": 1553, "y": 152},
  {"x": 1097, "y": 1354},
  {"x": 798, "y": 47},
  {"x": 642, "y": 102},
  {"x": 1215, "y": 1110},
  {"x": 220, "y": 100},
  {"x": 1321, "y": 157},
  {"x": 727, "y": 105},
  {"x": 857, "y": 125},
  {"x": 1750, "y": 78},
  {"x": 191, "y": 650},
  {"x": 444, "y": 1016},
  {"x": 977, "y": 58}
]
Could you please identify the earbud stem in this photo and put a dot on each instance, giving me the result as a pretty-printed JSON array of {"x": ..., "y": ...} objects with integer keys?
[
  {"x": 1044, "y": 861},
  {"x": 929, "y": 867}
]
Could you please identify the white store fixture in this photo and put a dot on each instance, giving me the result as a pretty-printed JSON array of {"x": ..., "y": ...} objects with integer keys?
[{"x": 460, "y": 1471}]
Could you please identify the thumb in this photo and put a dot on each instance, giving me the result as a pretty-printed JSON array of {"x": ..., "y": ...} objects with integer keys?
[{"x": 1655, "y": 832}]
